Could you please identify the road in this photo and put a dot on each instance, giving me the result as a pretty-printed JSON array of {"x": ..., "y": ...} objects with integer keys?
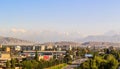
[{"x": 75, "y": 63}]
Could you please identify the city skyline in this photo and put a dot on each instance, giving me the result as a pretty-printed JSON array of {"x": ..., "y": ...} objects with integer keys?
[{"x": 53, "y": 20}]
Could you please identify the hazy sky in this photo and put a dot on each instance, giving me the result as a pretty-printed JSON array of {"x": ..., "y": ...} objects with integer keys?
[{"x": 51, "y": 20}]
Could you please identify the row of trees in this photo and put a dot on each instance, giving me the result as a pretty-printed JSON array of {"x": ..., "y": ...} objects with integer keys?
[
  {"x": 36, "y": 63},
  {"x": 32, "y": 64},
  {"x": 12, "y": 64},
  {"x": 108, "y": 60}
]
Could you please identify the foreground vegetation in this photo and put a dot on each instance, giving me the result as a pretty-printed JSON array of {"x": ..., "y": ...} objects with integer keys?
[
  {"x": 39, "y": 64},
  {"x": 60, "y": 66},
  {"x": 33, "y": 64},
  {"x": 108, "y": 60}
]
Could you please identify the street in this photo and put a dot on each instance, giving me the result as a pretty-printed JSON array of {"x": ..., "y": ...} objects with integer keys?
[{"x": 75, "y": 63}]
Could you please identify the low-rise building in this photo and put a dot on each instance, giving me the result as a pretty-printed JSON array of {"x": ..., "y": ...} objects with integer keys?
[
  {"x": 49, "y": 47},
  {"x": 42, "y": 48},
  {"x": 7, "y": 49},
  {"x": 5, "y": 56},
  {"x": 17, "y": 48}
]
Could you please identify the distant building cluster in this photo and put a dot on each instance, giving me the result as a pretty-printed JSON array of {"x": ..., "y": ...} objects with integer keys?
[{"x": 47, "y": 52}]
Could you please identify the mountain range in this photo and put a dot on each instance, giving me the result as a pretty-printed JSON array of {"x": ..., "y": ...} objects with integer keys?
[
  {"x": 102, "y": 38},
  {"x": 14, "y": 41}
]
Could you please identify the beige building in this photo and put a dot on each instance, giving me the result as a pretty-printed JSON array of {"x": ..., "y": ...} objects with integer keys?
[
  {"x": 42, "y": 48},
  {"x": 5, "y": 55},
  {"x": 3, "y": 58},
  {"x": 1, "y": 46},
  {"x": 49, "y": 47},
  {"x": 7, "y": 49}
]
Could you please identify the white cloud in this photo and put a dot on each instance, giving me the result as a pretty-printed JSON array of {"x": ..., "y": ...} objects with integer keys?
[
  {"x": 41, "y": 35},
  {"x": 14, "y": 30}
]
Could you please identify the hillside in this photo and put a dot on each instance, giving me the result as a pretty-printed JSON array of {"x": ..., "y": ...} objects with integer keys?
[
  {"x": 62, "y": 43},
  {"x": 14, "y": 41},
  {"x": 102, "y": 38}
]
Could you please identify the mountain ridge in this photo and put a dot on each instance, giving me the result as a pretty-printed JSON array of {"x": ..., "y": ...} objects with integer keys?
[
  {"x": 101, "y": 38},
  {"x": 14, "y": 41}
]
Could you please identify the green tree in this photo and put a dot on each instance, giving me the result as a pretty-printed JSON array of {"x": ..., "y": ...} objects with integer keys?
[
  {"x": 34, "y": 64},
  {"x": 85, "y": 65},
  {"x": 78, "y": 53},
  {"x": 36, "y": 56},
  {"x": 41, "y": 65},
  {"x": 8, "y": 64},
  {"x": 93, "y": 64},
  {"x": 27, "y": 65},
  {"x": 67, "y": 58},
  {"x": 100, "y": 62},
  {"x": 19, "y": 64},
  {"x": 112, "y": 62},
  {"x": 13, "y": 63}
]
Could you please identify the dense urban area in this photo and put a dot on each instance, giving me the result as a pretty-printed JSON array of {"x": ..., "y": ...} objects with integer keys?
[
  {"x": 59, "y": 34},
  {"x": 61, "y": 55}
]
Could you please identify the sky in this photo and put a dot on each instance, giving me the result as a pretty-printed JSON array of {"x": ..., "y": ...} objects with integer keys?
[{"x": 57, "y": 20}]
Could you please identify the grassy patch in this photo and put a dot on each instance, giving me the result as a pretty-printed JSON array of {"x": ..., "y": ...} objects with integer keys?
[{"x": 60, "y": 66}]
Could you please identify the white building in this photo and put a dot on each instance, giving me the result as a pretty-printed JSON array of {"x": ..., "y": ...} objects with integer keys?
[
  {"x": 49, "y": 47},
  {"x": 17, "y": 48},
  {"x": 42, "y": 48}
]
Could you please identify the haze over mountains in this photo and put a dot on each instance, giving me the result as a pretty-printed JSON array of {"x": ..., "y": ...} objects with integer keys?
[
  {"x": 111, "y": 36},
  {"x": 102, "y": 38}
]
